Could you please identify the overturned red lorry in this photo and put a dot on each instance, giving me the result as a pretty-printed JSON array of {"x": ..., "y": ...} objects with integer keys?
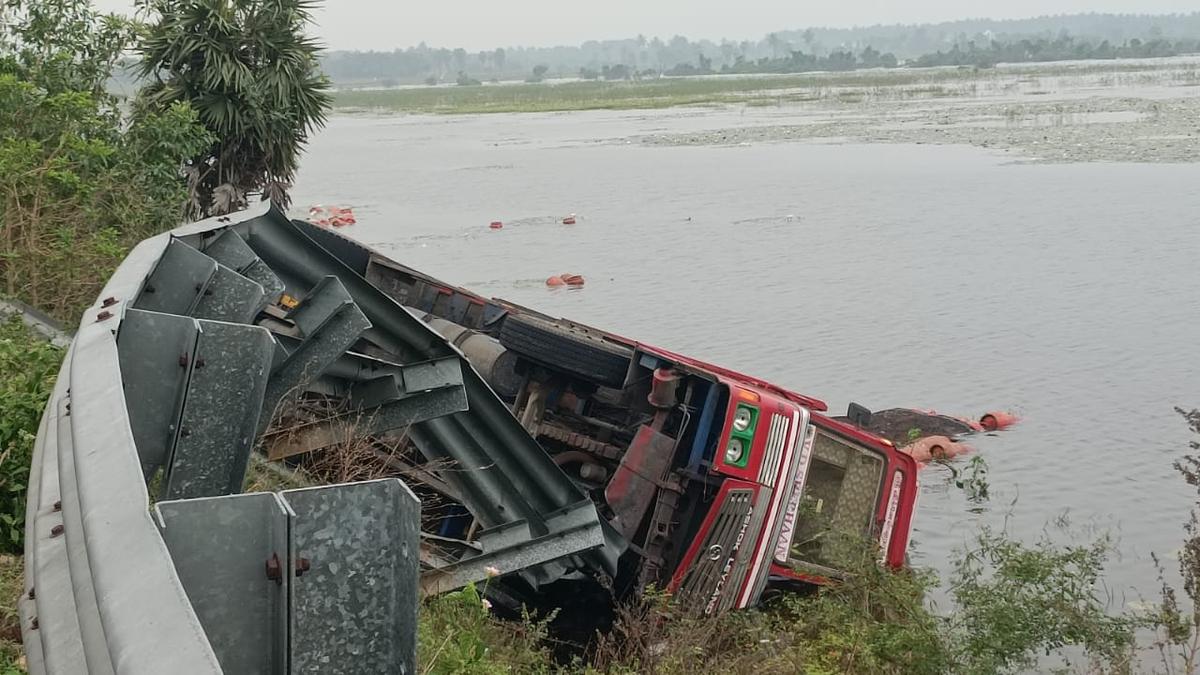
[{"x": 720, "y": 485}]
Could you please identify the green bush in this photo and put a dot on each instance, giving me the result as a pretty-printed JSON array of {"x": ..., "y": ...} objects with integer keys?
[
  {"x": 79, "y": 182},
  {"x": 459, "y": 636},
  {"x": 28, "y": 366}
]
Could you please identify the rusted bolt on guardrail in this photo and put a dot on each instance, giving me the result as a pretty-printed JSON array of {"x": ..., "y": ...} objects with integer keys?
[
  {"x": 105, "y": 315},
  {"x": 274, "y": 569},
  {"x": 57, "y": 506},
  {"x": 56, "y": 530}
]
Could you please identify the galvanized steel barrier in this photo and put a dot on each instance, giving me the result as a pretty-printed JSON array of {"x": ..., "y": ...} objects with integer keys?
[{"x": 171, "y": 379}]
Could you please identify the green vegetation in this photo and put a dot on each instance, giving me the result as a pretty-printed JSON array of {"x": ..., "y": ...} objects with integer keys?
[
  {"x": 1062, "y": 48},
  {"x": 1015, "y": 605},
  {"x": 458, "y": 636},
  {"x": 84, "y": 176},
  {"x": 28, "y": 366},
  {"x": 79, "y": 182},
  {"x": 1016, "y": 608},
  {"x": 637, "y": 94},
  {"x": 12, "y": 585},
  {"x": 1177, "y": 626},
  {"x": 838, "y": 88},
  {"x": 642, "y": 56},
  {"x": 251, "y": 74}
]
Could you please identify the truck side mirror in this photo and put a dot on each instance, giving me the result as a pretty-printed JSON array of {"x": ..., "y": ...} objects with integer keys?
[{"x": 858, "y": 415}]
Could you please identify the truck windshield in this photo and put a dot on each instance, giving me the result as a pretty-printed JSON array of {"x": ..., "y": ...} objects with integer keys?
[{"x": 838, "y": 505}]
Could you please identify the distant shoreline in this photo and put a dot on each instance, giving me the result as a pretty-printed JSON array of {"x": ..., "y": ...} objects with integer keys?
[{"x": 757, "y": 89}]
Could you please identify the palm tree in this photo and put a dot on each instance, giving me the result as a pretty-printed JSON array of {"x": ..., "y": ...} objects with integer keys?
[{"x": 252, "y": 76}]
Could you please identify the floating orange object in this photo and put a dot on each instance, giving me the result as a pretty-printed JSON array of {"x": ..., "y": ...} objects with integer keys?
[
  {"x": 331, "y": 216},
  {"x": 569, "y": 220},
  {"x": 496, "y": 225},
  {"x": 565, "y": 279},
  {"x": 995, "y": 421},
  {"x": 975, "y": 426},
  {"x": 935, "y": 447}
]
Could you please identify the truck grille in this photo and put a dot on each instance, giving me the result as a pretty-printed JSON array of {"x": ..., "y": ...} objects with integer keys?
[
  {"x": 717, "y": 573},
  {"x": 776, "y": 439}
]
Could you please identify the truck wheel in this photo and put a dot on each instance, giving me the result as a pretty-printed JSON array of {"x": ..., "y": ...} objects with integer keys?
[{"x": 570, "y": 350}]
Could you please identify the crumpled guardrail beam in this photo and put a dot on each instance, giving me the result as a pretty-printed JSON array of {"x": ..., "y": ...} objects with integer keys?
[
  {"x": 103, "y": 594},
  {"x": 103, "y": 591}
]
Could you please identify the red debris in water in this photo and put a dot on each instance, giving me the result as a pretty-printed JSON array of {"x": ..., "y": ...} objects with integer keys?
[
  {"x": 565, "y": 279},
  {"x": 569, "y": 220},
  {"x": 995, "y": 421},
  {"x": 331, "y": 216},
  {"x": 496, "y": 225}
]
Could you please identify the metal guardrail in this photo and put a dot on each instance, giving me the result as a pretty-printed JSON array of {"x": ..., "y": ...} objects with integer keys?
[{"x": 168, "y": 384}]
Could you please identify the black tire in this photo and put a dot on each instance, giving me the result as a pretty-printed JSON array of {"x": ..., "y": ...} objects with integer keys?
[{"x": 571, "y": 350}]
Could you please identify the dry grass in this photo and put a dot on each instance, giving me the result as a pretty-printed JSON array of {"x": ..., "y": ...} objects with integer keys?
[{"x": 12, "y": 585}]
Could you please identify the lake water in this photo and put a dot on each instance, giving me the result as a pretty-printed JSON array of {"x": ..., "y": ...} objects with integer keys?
[{"x": 944, "y": 276}]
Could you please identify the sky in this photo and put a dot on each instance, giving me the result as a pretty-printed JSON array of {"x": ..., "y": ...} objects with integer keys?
[{"x": 476, "y": 24}]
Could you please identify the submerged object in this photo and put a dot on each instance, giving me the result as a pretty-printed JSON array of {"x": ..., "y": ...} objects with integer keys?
[
  {"x": 331, "y": 216},
  {"x": 998, "y": 420},
  {"x": 566, "y": 279},
  {"x": 935, "y": 447}
]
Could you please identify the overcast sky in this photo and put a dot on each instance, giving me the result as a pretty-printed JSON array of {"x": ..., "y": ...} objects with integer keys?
[{"x": 477, "y": 25}]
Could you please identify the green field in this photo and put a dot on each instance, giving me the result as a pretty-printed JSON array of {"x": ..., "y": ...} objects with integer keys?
[
  {"x": 667, "y": 92},
  {"x": 656, "y": 93}
]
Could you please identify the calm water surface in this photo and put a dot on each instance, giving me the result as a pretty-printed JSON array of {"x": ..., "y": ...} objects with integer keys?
[{"x": 892, "y": 275}]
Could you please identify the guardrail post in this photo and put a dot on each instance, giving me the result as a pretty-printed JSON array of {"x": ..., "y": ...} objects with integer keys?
[
  {"x": 220, "y": 417},
  {"x": 321, "y": 579}
]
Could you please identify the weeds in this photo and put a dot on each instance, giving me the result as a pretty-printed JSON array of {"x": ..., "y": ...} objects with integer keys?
[
  {"x": 1016, "y": 602},
  {"x": 458, "y": 635},
  {"x": 1177, "y": 627},
  {"x": 12, "y": 585},
  {"x": 28, "y": 366},
  {"x": 972, "y": 480}
]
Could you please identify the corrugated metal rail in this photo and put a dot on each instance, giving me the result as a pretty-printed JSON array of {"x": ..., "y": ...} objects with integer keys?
[{"x": 169, "y": 382}]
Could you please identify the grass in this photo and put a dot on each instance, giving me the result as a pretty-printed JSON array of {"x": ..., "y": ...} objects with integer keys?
[
  {"x": 757, "y": 90},
  {"x": 28, "y": 367},
  {"x": 12, "y": 585},
  {"x": 641, "y": 94}
]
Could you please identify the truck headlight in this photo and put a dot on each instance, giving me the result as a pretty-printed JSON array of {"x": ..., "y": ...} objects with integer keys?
[
  {"x": 734, "y": 451},
  {"x": 742, "y": 419}
]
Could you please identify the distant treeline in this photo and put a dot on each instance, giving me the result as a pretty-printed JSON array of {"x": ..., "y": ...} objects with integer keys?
[
  {"x": 784, "y": 51},
  {"x": 794, "y": 62},
  {"x": 1064, "y": 48}
]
